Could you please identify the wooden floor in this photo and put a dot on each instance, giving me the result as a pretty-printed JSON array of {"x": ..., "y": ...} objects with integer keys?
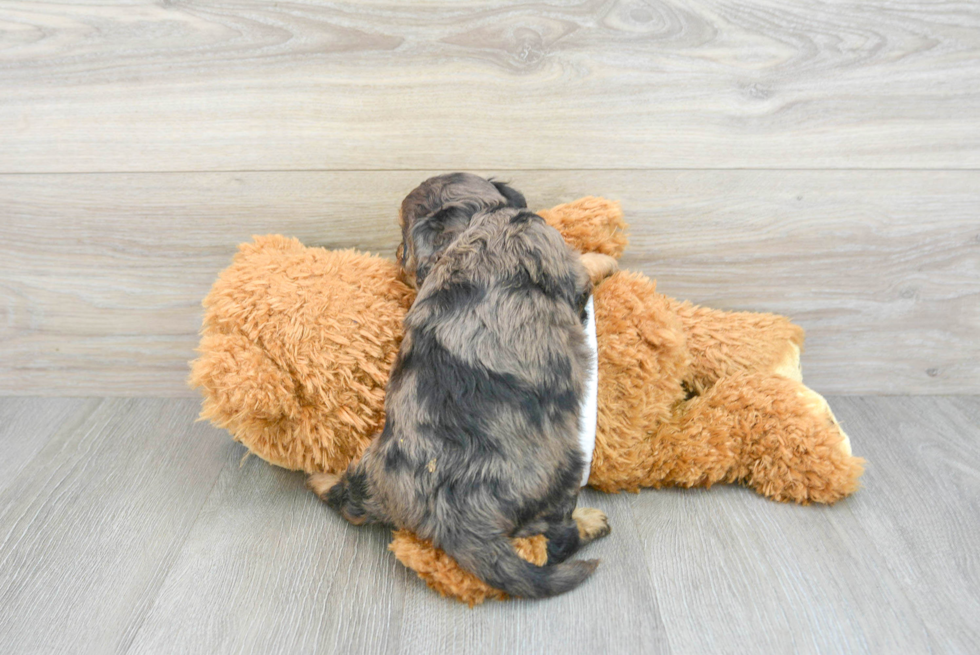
[{"x": 127, "y": 527}]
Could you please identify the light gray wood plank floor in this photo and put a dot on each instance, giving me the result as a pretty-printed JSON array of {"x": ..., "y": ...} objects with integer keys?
[{"x": 127, "y": 527}]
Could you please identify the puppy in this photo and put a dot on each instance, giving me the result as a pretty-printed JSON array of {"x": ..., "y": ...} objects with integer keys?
[{"x": 482, "y": 407}]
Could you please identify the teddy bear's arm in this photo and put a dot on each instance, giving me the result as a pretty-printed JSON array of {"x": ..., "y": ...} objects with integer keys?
[
  {"x": 599, "y": 266},
  {"x": 590, "y": 225}
]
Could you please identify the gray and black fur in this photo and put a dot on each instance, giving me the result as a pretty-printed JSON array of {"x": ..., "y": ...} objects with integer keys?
[
  {"x": 438, "y": 210},
  {"x": 480, "y": 439}
]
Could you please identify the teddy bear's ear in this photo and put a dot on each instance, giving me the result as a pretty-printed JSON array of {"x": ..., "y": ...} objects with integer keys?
[{"x": 514, "y": 197}]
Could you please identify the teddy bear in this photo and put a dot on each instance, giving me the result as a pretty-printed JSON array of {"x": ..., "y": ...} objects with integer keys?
[{"x": 297, "y": 343}]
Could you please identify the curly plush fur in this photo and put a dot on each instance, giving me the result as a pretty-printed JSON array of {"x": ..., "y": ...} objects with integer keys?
[
  {"x": 297, "y": 343},
  {"x": 295, "y": 351}
]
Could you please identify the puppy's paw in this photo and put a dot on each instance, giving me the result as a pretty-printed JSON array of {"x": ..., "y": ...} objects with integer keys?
[
  {"x": 599, "y": 266},
  {"x": 321, "y": 483},
  {"x": 592, "y": 523}
]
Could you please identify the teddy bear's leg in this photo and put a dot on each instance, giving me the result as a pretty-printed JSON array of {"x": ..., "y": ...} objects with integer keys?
[
  {"x": 768, "y": 432},
  {"x": 442, "y": 573},
  {"x": 722, "y": 343}
]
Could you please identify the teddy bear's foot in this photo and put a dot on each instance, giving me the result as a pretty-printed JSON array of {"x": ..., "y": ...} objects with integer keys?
[
  {"x": 810, "y": 459},
  {"x": 789, "y": 367},
  {"x": 592, "y": 524},
  {"x": 819, "y": 406}
]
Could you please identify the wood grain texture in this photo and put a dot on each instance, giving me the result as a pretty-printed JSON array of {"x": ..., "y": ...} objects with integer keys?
[
  {"x": 613, "y": 612},
  {"x": 90, "y": 526},
  {"x": 891, "y": 569},
  {"x": 101, "y": 276},
  {"x": 242, "y": 85},
  {"x": 269, "y": 568},
  {"x": 134, "y": 530},
  {"x": 923, "y": 530},
  {"x": 26, "y": 424}
]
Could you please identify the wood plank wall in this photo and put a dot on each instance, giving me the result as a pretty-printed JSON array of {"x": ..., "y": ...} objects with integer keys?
[{"x": 815, "y": 159}]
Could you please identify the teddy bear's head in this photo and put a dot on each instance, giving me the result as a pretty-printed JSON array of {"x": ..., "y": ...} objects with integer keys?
[{"x": 295, "y": 351}]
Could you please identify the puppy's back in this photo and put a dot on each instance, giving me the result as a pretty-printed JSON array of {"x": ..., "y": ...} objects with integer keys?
[
  {"x": 508, "y": 294},
  {"x": 483, "y": 401}
]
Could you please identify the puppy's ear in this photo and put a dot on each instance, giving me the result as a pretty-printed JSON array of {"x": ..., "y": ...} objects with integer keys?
[
  {"x": 422, "y": 270},
  {"x": 433, "y": 234},
  {"x": 514, "y": 197}
]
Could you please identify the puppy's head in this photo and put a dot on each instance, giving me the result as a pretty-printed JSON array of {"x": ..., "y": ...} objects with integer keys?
[{"x": 438, "y": 210}]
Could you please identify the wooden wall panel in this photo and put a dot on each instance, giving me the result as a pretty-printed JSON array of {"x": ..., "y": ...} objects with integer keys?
[
  {"x": 101, "y": 276},
  {"x": 567, "y": 84}
]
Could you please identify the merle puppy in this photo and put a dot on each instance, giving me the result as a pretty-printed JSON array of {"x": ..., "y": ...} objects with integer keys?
[{"x": 482, "y": 407}]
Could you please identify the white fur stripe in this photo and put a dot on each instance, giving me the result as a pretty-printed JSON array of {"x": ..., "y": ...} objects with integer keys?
[{"x": 590, "y": 404}]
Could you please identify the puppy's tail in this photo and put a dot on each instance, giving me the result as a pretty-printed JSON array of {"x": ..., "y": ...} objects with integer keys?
[{"x": 495, "y": 561}]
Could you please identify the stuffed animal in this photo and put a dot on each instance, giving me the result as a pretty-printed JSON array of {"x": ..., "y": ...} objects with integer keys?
[{"x": 297, "y": 343}]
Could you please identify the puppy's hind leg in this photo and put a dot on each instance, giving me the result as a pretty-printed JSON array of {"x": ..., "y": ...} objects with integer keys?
[
  {"x": 346, "y": 494},
  {"x": 321, "y": 483},
  {"x": 592, "y": 524},
  {"x": 566, "y": 537}
]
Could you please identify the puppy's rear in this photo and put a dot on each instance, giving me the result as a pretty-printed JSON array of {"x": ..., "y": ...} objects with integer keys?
[{"x": 488, "y": 554}]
